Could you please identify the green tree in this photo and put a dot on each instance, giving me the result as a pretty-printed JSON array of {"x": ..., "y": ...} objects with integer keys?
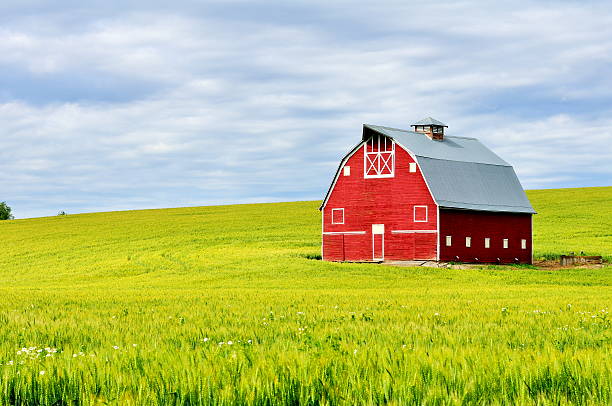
[{"x": 5, "y": 212}]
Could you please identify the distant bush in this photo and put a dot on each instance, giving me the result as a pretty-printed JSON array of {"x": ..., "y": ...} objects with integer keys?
[{"x": 5, "y": 212}]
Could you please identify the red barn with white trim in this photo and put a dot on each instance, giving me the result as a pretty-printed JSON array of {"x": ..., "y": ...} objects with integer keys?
[{"x": 424, "y": 195}]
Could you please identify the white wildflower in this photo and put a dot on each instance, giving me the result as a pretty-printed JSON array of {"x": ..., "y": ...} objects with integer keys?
[{"x": 42, "y": 372}]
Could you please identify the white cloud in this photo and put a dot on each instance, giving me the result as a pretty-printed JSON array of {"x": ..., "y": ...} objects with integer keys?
[{"x": 219, "y": 105}]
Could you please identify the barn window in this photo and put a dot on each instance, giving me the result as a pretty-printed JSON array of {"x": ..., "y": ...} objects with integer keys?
[
  {"x": 524, "y": 244},
  {"x": 487, "y": 243},
  {"x": 412, "y": 167},
  {"x": 420, "y": 214},
  {"x": 449, "y": 240},
  {"x": 468, "y": 242},
  {"x": 505, "y": 243},
  {"x": 347, "y": 171},
  {"x": 379, "y": 157},
  {"x": 337, "y": 216}
]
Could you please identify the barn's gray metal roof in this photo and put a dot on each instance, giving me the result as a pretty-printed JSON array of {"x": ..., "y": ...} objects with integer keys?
[
  {"x": 474, "y": 186},
  {"x": 461, "y": 172},
  {"x": 451, "y": 148},
  {"x": 429, "y": 121}
]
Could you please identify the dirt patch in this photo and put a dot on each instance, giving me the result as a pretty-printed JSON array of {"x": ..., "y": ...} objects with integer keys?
[{"x": 553, "y": 264}]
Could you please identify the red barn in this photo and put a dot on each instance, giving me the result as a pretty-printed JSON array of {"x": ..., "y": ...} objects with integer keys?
[{"x": 423, "y": 195}]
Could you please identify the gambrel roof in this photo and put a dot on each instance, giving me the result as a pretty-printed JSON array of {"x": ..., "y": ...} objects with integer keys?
[{"x": 461, "y": 173}]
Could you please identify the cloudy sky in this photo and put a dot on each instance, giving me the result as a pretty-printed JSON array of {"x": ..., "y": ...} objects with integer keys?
[{"x": 139, "y": 104}]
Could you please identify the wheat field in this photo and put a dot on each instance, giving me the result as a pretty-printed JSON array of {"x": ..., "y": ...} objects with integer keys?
[{"x": 225, "y": 305}]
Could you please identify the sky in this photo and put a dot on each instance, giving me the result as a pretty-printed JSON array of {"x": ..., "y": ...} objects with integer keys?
[{"x": 118, "y": 105}]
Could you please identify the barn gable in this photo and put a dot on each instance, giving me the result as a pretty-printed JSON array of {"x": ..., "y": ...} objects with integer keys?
[{"x": 461, "y": 173}]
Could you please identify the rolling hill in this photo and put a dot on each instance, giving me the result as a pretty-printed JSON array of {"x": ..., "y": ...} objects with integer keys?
[{"x": 226, "y": 305}]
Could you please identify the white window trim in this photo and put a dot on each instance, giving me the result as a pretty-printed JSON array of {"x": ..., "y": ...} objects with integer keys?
[
  {"x": 412, "y": 167},
  {"x": 414, "y": 214},
  {"x": 468, "y": 242},
  {"x": 523, "y": 244},
  {"x": 449, "y": 240},
  {"x": 505, "y": 243},
  {"x": 332, "y": 216},
  {"x": 487, "y": 242},
  {"x": 346, "y": 171},
  {"x": 390, "y": 161}
]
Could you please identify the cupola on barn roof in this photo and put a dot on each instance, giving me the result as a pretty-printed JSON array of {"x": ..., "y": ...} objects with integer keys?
[
  {"x": 431, "y": 127},
  {"x": 429, "y": 121}
]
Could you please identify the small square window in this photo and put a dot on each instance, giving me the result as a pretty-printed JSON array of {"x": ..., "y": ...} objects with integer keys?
[
  {"x": 412, "y": 167},
  {"x": 487, "y": 243},
  {"x": 420, "y": 214},
  {"x": 449, "y": 240},
  {"x": 505, "y": 243},
  {"x": 524, "y": 244},
  {"x": 468, "y": 242},
  {"x": 347, "y": 171},
  {"x": 337, "y": 216}
]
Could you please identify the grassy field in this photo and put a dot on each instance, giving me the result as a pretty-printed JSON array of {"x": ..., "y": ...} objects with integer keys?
[
  {"x": 221, "y": 305},
  {"x": 572, "y": 220}
]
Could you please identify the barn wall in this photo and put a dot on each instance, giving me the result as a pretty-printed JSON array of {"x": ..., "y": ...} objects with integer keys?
[
  {"x": 387, "y": 201},
  {"x": 480, "y": 225}
]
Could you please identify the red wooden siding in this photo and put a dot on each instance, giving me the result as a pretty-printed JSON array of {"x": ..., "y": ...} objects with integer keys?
[
  {"x": 480, "y": 225},
  {"x": 389, "y": 201}
]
